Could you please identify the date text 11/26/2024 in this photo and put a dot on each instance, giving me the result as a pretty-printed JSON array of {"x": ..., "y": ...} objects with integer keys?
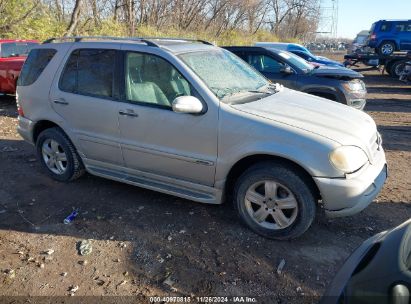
[{"x": 171, "y": 299}]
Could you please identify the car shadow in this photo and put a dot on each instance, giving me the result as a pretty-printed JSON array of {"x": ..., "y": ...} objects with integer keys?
[
  {"x": 203, "y": 249},
  {"x": 8, "y": 106},
  {"x": 375, "y": 80},
  {"x": 388, "y": 105},
  {"x": 396, "y": 137},
  {"x": 406, "y": 90}
]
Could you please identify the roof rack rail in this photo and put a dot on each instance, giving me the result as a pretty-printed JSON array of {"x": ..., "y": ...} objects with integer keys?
[
  {"x": 81, "y": 38},
  {"x": 177, "y": 39},
  {"x": 147, "y": 40}
]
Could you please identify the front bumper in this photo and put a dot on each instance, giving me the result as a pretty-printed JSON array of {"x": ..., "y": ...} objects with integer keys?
[
  {"x": 348, "y": 196},
  {"x": 25, "y": 129}
]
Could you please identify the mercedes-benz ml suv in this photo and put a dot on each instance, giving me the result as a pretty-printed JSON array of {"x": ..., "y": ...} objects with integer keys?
[{"x": 193, "y": 120}]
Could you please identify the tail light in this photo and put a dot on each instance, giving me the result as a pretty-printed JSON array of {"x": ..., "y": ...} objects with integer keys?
[
  {"x": 373, "y": 36},
  {"x": 19, "y": 107},
  {"x": 20, "y": 111}
]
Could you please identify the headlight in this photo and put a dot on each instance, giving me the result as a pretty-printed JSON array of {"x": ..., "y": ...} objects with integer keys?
[
  {"x": 348, "y": 158},
  {"x": 354, "y": 86}
]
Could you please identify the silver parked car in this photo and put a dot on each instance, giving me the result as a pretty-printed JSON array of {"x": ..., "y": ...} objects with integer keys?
[{"x": 193, "y": 120}]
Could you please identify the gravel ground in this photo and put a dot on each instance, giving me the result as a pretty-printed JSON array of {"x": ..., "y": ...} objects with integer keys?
[{"x": 149, "y": 244}]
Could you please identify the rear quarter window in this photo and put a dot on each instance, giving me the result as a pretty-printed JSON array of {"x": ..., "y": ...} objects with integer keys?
[
  {"x": 385, "y": 27},
  {"x": 36, "y": 62}
]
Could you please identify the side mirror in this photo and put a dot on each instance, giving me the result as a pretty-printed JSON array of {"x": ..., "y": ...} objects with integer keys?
[
  {"x": 287, "y": 70},
  {"x": 188, "y": 105}
]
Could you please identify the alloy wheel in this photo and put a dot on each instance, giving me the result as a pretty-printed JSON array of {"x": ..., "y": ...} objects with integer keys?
[
  {"x": 387, "y": 49},
  {"x": 54, "y": 156},
  {"x": 271, "y": 205}
]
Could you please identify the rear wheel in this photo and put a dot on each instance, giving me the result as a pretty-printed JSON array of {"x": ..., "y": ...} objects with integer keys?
[
  {"x": 388, "y": 67},
  {"x": 397, "y": 68},
  {"x": 274, "y": 201},
  {"x": 58, "y": 156},
  {"x": 386, "y": 48}
]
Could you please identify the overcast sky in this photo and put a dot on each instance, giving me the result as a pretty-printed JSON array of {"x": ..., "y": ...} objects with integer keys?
[{"x": 357, "y": 15}]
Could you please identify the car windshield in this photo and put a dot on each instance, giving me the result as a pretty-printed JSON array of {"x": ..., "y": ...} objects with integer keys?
[
  {"x": 14, "y": 49},
  {"x": 225, "y": 74},
  {"x": 360, "y": 39},
  {"x": 296, "y": 61}
]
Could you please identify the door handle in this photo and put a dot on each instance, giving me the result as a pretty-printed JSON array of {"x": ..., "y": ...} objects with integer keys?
[
  {"x": 130, "y": 113},
  {"x": 61, "y": 101}
]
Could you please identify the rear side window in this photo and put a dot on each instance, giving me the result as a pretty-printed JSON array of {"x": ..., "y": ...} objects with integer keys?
[
  {"x": 401, "y": 27},
  {"x": 89, "y": 72},
  {"x": 385, "y": 27},
  {"x": 263, "y": 63},
  {"x": 36, "y": 62}
]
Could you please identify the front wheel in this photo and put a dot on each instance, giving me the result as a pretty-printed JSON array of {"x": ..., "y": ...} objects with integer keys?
[{"x": 274, "y": 201}]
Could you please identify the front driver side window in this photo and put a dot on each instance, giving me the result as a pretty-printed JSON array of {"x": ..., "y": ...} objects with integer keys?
[
  {"x": 152, "y": 80},
  {"x": 263, "y": 63}
]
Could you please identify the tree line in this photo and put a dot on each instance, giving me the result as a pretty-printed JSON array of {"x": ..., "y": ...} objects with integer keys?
[{"x": 218, "y": 20}]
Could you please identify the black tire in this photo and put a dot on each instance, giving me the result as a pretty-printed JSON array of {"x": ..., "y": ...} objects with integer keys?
[
  {"x": 388, "y": 67},
  {"x": 396, "y": 69},
  {"x": 290, "y": 178},
  {"x": 386, "y": 48},
  {"x": 74, "y": 166}
]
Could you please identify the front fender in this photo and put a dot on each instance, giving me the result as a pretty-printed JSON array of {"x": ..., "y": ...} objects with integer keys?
[{"x": 243, "y": 136}]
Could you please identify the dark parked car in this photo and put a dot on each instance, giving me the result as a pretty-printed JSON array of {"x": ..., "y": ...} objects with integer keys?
[
  {"x": 378, "y": 272},
  {"x": 359, "y": 42},
  {"x": 388, "y": 36},
  {"x": 335, "y": 83}
]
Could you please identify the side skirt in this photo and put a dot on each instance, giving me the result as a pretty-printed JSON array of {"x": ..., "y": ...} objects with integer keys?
[{"x": 167, "y": 185}]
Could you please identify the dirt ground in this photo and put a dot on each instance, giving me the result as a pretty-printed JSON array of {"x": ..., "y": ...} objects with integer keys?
[{"x": 149, "y": 244}]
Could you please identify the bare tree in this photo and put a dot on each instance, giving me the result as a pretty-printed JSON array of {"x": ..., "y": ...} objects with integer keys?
[{"x": 74, "y": 20}]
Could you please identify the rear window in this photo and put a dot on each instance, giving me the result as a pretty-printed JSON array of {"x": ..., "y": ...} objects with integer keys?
[
  {"x": 35, "y": 63},
  {"x": 89, "y": 72},
  {"x": 14, "y": 49}
]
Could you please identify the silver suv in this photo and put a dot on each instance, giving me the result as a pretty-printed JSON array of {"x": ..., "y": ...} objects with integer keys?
[{"x": 193, "y": 120}]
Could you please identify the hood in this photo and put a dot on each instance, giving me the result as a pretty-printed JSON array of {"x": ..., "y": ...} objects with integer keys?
[
  {"x": 336, "y": 72},
  {"x": 337, "y": 122}
]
